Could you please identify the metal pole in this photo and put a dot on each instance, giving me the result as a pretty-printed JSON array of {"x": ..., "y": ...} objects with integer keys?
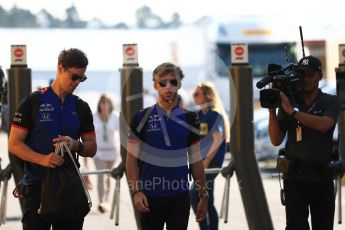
[
  {"x": 5, "y": 175},
  {"x": 19, "y": 86},
  {"x": 340, "y": 76},
  {"x": 242, "y": 150},
  {"x": 117, "y": 199},
  {"x": 113, "y": 204},
  {"x": 340, "y": 218},
  {"x": 132, "y": 102},
  {"x": 224, "y": 212},
  {"x": 3, "y": 202},
  {"x": 227, "y": 172}
]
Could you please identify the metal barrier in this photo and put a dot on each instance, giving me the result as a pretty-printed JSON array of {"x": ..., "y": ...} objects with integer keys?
[
  {"x": 115, "y": 207},
  {"x": 337, "y": 190},
  {"x": 5, "y": 175},
  {"x": 117, "y": 173},
  {"x": 227, "y": 173}
]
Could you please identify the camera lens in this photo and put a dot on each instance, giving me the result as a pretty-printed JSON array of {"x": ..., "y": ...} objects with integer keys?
[{"x": 270, "y": 98}]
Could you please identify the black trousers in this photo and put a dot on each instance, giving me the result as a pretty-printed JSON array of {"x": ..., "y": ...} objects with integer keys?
[
  {"x": 316, "y": 196},
  {"x": 171, "y": 210},
  {"x": 32, "y": 221}
]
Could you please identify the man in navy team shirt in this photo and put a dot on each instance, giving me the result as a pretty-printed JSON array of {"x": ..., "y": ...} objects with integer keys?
[
  {"x": 163, "y": 141},
  {"x": 32, "y": 138}
]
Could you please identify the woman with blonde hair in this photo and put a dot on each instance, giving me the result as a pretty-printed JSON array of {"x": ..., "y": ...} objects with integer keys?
[{"x": 215, "y": 133}]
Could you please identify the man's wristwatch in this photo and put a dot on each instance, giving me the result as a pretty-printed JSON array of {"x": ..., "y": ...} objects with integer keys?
[
  {"x": 204, "y": 195},
  {"x": 80, "y": 147},
  {"x": 295, "y": 110}
]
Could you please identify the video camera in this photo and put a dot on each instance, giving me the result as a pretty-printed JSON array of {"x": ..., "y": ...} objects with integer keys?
[{"x": 287, "y": 80}]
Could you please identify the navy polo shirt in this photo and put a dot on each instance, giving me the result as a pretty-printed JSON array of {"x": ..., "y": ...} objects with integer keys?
[
  {"x": 164, "y": 142},
  {"x": 53, "y": 118}
]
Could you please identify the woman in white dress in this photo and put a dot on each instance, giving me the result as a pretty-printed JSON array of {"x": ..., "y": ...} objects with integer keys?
[{"x": 106, "y": 123}]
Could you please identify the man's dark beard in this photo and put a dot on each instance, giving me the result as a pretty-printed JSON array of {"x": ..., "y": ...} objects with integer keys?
[{"x": 170, "y": 100}]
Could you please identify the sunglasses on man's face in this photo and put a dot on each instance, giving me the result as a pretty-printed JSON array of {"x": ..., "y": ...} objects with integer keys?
[
  {"x": 76, "y": 77},
  {"x": 163, "y": 83}
]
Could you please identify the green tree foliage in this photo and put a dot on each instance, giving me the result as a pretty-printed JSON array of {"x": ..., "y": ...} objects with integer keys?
[
  {"x": 72, "y": 20},
  {"x": 21, "y": 18},
  {"x": 17, "y": 17},
  {"x": 3, "y": 17},
  {"x": 146, "y": 19}
]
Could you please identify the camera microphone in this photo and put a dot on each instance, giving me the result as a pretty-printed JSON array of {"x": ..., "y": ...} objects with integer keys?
[
  {"x": 271, "y": 69},
  {"x": 264, "y": 82}
]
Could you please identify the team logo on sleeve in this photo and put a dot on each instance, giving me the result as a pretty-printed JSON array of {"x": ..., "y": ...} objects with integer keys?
[{"x": 17, "y": 117}]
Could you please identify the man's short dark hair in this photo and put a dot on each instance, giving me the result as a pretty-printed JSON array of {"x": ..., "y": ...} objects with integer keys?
[
  {"x": 167, "y": 68},
  {"x": 73, "y": 58}
]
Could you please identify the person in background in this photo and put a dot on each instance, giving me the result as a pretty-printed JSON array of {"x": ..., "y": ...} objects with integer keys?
[
  {"x": 4, "y": 110},
  {"x": 214, "y": 132},
  {"x": 106, "y": 122},
  {"x": 32, "y": 138},
  {"x": 163, "y": 141},
  {"x": 86, "y": 178},
  {"x": 309, "y": 126}
]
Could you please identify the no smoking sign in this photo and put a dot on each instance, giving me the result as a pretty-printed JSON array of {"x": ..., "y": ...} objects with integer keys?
[
  {"x": 130, "y": 51},
  {"x": 18, "y": 55},
  {"x": 130, "y": 54},
  {"x": 239, "y": 53}
]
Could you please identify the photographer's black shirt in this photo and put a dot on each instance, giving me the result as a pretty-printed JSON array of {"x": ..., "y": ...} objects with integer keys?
[{"x": 315, "y": 148}]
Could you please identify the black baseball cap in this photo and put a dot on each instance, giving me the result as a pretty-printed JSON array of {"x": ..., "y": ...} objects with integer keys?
[{"x": 310, "y": 64}]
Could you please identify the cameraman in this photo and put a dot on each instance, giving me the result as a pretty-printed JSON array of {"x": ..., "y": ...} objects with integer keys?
[{"x": 308, "y": 184}]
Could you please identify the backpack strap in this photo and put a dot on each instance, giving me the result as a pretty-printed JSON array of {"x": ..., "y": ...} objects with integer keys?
[
  {"x": 190, "y": 119},
  {"x": 35, "y": 99},
  {"x": 143, "y": 121},
  {"x": 79, "y": 105}
]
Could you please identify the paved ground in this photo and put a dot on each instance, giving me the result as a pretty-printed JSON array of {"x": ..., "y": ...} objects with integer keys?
[{"x": 96, "y": 220}]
